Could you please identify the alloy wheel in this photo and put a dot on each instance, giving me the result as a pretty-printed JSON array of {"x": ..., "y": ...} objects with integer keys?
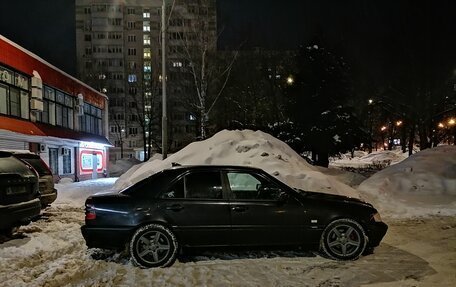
[{"x": 153, "y": 247}]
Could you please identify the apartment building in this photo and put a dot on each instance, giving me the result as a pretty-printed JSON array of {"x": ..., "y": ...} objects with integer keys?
[{"x": 119, "y": 54}]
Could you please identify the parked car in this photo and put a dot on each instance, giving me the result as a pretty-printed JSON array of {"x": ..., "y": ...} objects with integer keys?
[
  {"x": 46, "y": 179},
  {"x": 204, "y": 206},
  {"x": 19, "y": 193}
]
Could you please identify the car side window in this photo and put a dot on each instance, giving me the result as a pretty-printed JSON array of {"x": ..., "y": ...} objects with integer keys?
[
  {"x": 176, "y": 190},
  {"x": 204, "y": 185},
  {"x": 251, "y": 187}
]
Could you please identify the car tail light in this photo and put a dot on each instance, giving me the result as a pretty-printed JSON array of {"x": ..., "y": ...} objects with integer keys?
[
  {"x": 90, "y": 215},
  {"x": 90, "y": 212}
]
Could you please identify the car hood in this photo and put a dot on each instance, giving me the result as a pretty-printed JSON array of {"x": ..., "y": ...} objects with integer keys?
[{"x": 333, "y": 197}]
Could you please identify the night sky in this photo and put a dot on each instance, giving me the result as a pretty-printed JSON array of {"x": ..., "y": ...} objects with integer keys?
[{"x": 376, "y": 37}]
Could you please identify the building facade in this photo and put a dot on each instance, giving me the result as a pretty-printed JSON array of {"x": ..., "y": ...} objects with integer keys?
[
  {"x": 119, "y": 53},
  {"x": 46, "y": 111}
]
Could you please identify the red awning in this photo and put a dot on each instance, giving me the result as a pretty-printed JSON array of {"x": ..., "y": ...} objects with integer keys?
[{"x": 40, "y": 129}]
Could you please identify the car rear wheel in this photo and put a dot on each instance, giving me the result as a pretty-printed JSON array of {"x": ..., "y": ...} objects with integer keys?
[
  {"x": 153, "y": 245},
  {"x": 343, "y": 239}
]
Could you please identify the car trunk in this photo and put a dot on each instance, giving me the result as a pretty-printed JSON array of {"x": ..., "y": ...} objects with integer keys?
[{"x": 15, "y": 188}]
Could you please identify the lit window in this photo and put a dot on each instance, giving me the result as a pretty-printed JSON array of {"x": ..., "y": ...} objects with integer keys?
[
  {"x": 146, "y": 15},
  {"x": 146, "y": 39},
  {"x": 132, "y": 78},
  {"x": 147, "y": 67},
  {"x": 177, "y": 64},
  {"x": 146, "y": 53},
  {"x": 146, "y": 26}
]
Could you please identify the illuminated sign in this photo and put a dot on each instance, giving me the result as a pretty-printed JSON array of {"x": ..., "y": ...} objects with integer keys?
[
  {"x": 91, "y": 145},
  {"x": 87, "y": 157}
]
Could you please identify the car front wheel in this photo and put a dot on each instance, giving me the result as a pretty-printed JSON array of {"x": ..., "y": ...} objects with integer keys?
[
  {"x": 153, "y": 245},
  {"x": 343, "y": 239}
]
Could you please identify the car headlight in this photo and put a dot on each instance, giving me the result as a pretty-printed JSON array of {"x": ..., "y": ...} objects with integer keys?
[{"x": 376, "y": 217}]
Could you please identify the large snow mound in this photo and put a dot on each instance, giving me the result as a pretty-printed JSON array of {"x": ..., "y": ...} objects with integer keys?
[
  {"x": 246, "y": 148},
  {"x": 424, "y": 183}
]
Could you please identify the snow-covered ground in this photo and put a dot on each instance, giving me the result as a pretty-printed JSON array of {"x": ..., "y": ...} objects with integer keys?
[
  {"x": 52, "y": 252},
  {"x": 416, "y": 251}
]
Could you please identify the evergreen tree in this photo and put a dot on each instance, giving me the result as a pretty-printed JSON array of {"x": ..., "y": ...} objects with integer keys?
[{"x": 317, "y": 103}]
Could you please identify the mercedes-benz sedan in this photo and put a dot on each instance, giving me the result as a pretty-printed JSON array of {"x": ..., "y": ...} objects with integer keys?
[{"x": 209, "y": 206}]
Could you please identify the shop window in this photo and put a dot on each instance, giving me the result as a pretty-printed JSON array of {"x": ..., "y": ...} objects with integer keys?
[
  {"x": 3, "y": 99},
  {"x": 14, "y": 102}
]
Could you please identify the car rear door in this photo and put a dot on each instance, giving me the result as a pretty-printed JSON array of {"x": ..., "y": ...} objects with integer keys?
[
  {"x": 262, "y": 213},
  {"x": 196, "y": 207}
]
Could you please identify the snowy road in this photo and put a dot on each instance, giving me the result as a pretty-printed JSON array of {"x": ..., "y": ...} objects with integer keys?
[{"x": 52, "y": 252}]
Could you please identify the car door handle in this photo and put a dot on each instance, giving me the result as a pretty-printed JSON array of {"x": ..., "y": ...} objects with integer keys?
[
  {"x": 174, "y": 207},
  {"x": 239, "y": 208}
]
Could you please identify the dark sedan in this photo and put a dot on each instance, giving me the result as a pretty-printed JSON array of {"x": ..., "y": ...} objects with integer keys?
[{"x": 209, "y": 206}]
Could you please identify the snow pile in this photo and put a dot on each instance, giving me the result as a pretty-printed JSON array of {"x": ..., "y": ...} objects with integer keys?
[
  {"x": 118, "y": 167},
  {"x": 363, "y": 159},
  {"x": 423, "y": 184},
  {"x": 246, "y": 148},
  {"x": 75, "y": 194},
  {"x": 66, "y": 180}
]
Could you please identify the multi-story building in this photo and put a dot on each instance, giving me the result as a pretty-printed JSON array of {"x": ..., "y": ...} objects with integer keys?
[
  {"x": 119, "y": 53},
  {"x": 46, "y": 111}
]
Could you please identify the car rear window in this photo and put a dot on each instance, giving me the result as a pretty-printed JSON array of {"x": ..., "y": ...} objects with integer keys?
[
  {"x": 10, "y": 165},
  {"x": 37, "y": 163},
  {"x": 148, "y": 187}
]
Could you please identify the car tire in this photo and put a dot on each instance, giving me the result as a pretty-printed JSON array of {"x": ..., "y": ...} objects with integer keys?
[
  {"x": 153, "y": 245},
  {"x": 343, "y": 239}
]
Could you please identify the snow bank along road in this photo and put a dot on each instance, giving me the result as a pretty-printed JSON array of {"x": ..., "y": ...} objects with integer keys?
[{"x": 52, "y": 252}]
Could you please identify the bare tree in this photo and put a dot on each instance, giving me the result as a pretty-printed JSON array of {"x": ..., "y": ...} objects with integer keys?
[
  {"x": 209, "y": 71},
  {"x": 146, "y": 108}
]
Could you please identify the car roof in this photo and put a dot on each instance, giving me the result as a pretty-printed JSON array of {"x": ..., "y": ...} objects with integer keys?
[
  {"x": 22, "y": 154},
  {"x": 17, "y": 151},
  {"x": 209, "y": 166}
]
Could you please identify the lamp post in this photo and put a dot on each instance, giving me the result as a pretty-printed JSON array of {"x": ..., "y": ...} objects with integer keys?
[
  {"x": 370, "y": 119},
  {"x": 451, "y": 125},
  {"x": 383, "y": 129},
  {"x": 164, "y": 111}
]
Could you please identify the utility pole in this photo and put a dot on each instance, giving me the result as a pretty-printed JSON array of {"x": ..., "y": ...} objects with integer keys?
[{"x": 164, "y": 111}]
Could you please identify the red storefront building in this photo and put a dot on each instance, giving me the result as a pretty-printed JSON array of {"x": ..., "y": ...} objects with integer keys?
[{"x": 46, "y": 111}]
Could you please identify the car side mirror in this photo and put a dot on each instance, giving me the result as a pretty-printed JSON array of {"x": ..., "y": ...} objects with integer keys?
[{"x": 283, "y": 197}]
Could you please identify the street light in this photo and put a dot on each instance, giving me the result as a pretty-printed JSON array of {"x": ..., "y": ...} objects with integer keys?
[
  {"x": 441, "y": 125},
  {"x": 290, "y": 80},
  {"x": 451, "y": 122},
  {"x": 383, "y": 128},
  {"x": 398, "y": 123},
  {"x": 371, "y": 101}
]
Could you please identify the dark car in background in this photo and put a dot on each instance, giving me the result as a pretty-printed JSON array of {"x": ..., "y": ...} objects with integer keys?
[
  {"x": 46, "y": 179},
  {"x": 209, "y": 206},
  {"x": 19, "y": 193}
]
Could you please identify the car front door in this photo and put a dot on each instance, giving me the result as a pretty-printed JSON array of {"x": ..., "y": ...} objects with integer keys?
[
  {"x": 197, "y": 210},
  {"x": 262, "y": 212}
]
